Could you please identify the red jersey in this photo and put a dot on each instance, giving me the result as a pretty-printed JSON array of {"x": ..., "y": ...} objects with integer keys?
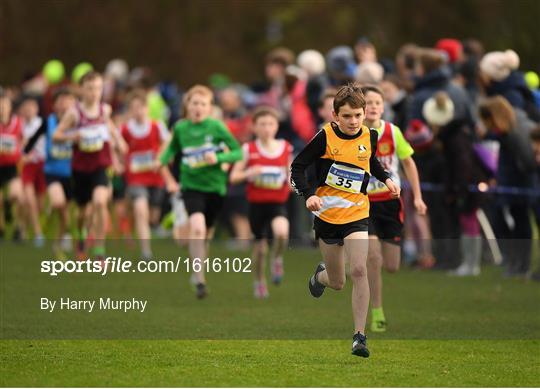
[
  {"x": 92, "y": 152},
  {"x": 11, "y": 141},
  {"x": 271, "y": 186},
  {"x": 144, "y": 142}
]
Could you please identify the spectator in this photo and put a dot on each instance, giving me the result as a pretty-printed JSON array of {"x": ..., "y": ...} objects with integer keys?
[{"x": 516, "y": 169}]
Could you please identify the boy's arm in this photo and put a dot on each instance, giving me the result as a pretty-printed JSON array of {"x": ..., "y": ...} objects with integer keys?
[
  {"x": 42, "y": 130},
  {"x": 172, "y": 148},
  {"x": 68, "y": 121},
  {"x": 313, "y": 150},
  {"x": 411, "y": 172},
  {"x": 235, "y": 151},
  {"x": 239, "y": 173}
]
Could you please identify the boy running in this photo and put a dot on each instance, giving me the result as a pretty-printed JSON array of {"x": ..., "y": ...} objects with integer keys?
[
  {"x": 144, "y": 138},
  {"x": 386, "y": 214},
  {"x": 11, "y": 138},
  {"x": 58, "y": 169},
  {"x": 200, "y": 140},
  {"x": 344, "y": 156},
  {"x": 265, "y": 166},
  {"x": 33, "y": 178},
  {"x": 94, "y": 138}
]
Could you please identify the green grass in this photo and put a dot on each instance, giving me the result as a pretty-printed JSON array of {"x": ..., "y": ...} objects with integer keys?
[
  {"x": 268, "y": 363},
  {"x": 443, "y": 331}
]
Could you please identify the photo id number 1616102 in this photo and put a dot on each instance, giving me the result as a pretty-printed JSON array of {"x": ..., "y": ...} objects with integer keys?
[{"x": 217, "y": 265}]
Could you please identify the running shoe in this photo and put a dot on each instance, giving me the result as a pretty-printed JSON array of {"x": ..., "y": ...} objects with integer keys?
[
  {"x": 201, "y": 291},
  {"x": 315, "y": 287},
  {"x": 378, "y": 326},
  {"x": 277, "y": 271},
  {"x": 260, "y": 291},
  {"x": 359, "y": 345}
]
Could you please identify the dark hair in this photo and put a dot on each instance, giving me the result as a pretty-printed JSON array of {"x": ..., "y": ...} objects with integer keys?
[
  {"x": 429, "y": 59},
  {"x": 329, "y": 93},
  {"x": 349, "y": 94},
  {"x": 89, "y": 76},
  {"x": 394, "y": 79},
  {"x": 64, "y": 91},
  {"x": 535, "y": 134},
  {"x": 372, "y": 88},
  {"x": 136, "y": 94},
  {"x": 499, "y": 111},
  {"x": 264, "y": 111},
  {"x": 281, "y": 56}
]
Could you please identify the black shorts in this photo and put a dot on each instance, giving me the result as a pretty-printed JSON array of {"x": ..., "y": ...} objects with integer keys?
[
  {"x": 7, "y": 173},
  {"x": 64, "y": 181},
  {"x": 85, "y": 183},
  {"x": 154, "y": 194},
  {"x": 209, "y": 204},
  {"x": 386, "y": 220},
  {"x": 335, "y": 233},
  {"x": 261, "y": 216},
  {"x": 119, "y": 187}
]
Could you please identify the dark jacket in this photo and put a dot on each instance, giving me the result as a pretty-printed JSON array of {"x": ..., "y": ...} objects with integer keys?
[
  {"x": 433, "y": 82},
  {"x": 514, "y": 89},
  {"x": 461, "y": 168},
  {"x": 517, "y": 165}
]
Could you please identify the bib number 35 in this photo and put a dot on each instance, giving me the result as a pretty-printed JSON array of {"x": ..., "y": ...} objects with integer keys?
[{"x": 345, "y": 178}]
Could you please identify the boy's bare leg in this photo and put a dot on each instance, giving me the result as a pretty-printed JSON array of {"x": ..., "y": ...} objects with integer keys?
[
  {"x": 356, "y": 249},
  {"x": 334, "y": 259},
  {"x": 197, "y": 243},
  {"x": 374, "y": 266}
]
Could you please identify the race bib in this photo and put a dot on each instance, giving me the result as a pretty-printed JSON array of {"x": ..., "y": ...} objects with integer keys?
[
  {"x": 62, "y": 150},
  {"x": 142, "y": 162},
  {"x": 92, "y": 139},
  {"x": 272, "y": 177},
  {"x": 8, "y": 144},
  {"x": 194, "y": 156},
  {"x": 345, "y": 178}
]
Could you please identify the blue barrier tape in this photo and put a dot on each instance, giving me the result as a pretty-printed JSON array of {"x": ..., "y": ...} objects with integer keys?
[{"x": 509, "y": 190}]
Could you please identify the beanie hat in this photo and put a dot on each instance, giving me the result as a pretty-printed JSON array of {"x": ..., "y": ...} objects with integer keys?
[
  {"x": 497, "y": 65},
  {"x": 418, "y": 135},
  {"x": 369, "y": 73},
  {"x": 452, "y": 47},
  {"x": 340, "y": 61},
  {"x": 312, "y": 62},
  {"x": 438, "y": 110}
]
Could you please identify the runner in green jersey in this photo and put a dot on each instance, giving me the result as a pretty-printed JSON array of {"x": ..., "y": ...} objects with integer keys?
[{"x": 204, "y": 145}]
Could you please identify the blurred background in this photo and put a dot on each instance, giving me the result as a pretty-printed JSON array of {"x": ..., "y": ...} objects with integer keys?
[
  {"x": 460, "y": 79},
  {"x": 189, "y": 40}
]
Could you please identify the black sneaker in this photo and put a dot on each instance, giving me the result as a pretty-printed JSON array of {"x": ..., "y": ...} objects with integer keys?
[
  {"x": 359, "y": 346},
  {"x": 315, "y": 287},
  {"x": 201, "y": 291}
]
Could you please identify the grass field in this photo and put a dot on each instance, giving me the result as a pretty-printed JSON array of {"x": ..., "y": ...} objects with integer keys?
[{"x": 443, "y": 331}]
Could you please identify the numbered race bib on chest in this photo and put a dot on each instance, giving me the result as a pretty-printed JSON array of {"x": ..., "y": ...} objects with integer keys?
[
  {"x": 345, "y": 178},
  {"x": 92, "y": 138},
  {"x": 61, "y": 150},
  {"x": 142, "y": 161},
  {"x": 194, "y": 156},
  {"x": 8, "y": 144},
  {"x": 272, "y": 177}
]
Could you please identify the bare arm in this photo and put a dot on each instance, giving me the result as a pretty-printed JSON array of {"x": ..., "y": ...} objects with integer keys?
[
  {"x": 118, "y": 141},
  {"x": 409, "y": 167},
  {"x": 69, "y": 120},
  {"x": 170, "y": 182},
  {"x": 240, "y": 174}
]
